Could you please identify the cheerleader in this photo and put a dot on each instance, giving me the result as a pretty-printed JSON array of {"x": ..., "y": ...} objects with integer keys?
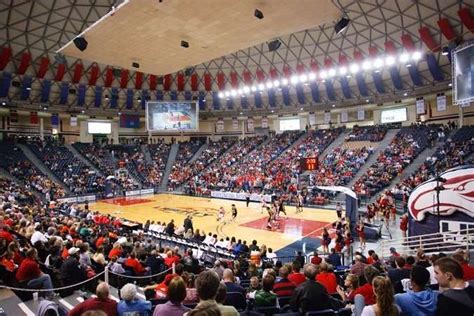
[
  {"x": 361, "y": 233},
  {"x": 370, "y": 212},
  {"x": 339, "y": 242},
  {"x": 348, "y": 240},
  {"x": 326, "y": 240}
]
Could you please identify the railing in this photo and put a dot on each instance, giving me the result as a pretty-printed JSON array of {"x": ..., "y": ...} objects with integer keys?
[{"x": 447, "y": 242}]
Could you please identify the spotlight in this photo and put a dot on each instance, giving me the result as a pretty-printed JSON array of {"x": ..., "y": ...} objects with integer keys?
[
  {"x": 332, "y": 72},
  {"x": 445, "y": 51},
  {"x": 80, "y": 43},
  {"x": 354, "y": 68},
  {"x": 246, "y": 89},
  {"x": 107, "y": 97},
  {"x": 284, "y": 82},
  {"x": 404, "y": 58},
  {"x": 184, "y": 44},
  {"x": 261, "y": 87},
  {"x": 274, "y": 45},
  {"x": 294, "y": 79},
  {"x": 366, "y": 65},
  {"x": 333, "y": 105},
  {"x": 341, "y": 25},
  {"x": 276, "y": 83},
  {"x": 367, "y": 100},
  {"x": 258, "y": 14},
  {"x": 83, "y": 111},
  {"x": 342, "y": 71},
  {"x": 269, "y": 85},
  {"x": 389, "y": 61},
  {"x": 378, "y": 63},
  {"x": 221, "y": 95},
  {"x": 28, "y": 88},
  {"x": 312, "y": 76},
  {"x": 303, "y": 78},
  {"x": 405, "y": 94},
  {"x": 323, "y": 74},
  {"x": 227, "y": 94},
  {"x": 4, "y": 103},
  {"x": 450, "y": 84},
  {"x": 240, "y": 91},
  {"x": 254, "y": 88},
  {"x": 416, "y": 56},
  {"x": 233, "y": 93}
]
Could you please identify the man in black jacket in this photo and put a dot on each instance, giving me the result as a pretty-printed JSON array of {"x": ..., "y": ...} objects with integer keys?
[
  {"x": 459, "y": 298},
  {"x": 71, "y": 270},
  {"x": 188, "y": 224},
  {"x": 310, "y": 295}
]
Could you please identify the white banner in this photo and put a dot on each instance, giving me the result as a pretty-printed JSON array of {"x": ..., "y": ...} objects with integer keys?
[
  {"x": 360, "y": 114},
  {"x": 77, "y": 199},
  {"x": 73, "y": 121},
  {"x": 139, "y": 192},
  {"x": 327, "y": 117},
  {"x": 220, "y": 125},
  {"x": 441, "y": 103},
  {"x": 420, "y": 106},
  {"x": 344, "y": 117},
  {"x": 264, "y": 122},
  {"x": 312, "y": 119},
  {"x": 239, "y": 196},
  {"x": 250, "y": 126},
  {"x": 235, "y": 124}
]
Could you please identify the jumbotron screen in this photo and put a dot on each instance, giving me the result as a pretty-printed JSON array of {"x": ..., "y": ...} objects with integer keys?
[{"x": 172, "y": 116}]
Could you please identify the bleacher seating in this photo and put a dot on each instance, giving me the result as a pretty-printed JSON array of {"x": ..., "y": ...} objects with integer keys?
[{"x": 185, "y": 153}]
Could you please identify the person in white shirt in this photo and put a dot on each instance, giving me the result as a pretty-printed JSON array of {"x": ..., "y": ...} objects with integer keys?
[
  {"x": 38, "y": 235},
  {"x": 271, "y": 255}
]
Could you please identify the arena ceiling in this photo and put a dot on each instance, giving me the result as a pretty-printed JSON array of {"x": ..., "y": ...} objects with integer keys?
[{"x": 35, "y": 30}]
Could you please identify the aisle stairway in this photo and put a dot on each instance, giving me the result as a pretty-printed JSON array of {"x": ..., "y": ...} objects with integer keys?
[
  {"x": 169, "y": 164},
  {"x": 40, "y": 165},
  {"x": 198, "y": 153},
  {"x": 335, "y": 143},
  {"x": 79, "y": 156},
  {"x": 146, "y": 153}
]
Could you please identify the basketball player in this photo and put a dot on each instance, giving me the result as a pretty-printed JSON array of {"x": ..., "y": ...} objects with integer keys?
[
  {"x": 221, "y": 214},
  {"x": 281, "y": 207},
  {"x": 234, "y": 212},
  {"x": 339, "y": 210},
  {"x": 264, "y": 203},
  {"x": 247, "y": 198},
  {"x": 270, "y": 217},
  {"x": 299, "y": 203}
]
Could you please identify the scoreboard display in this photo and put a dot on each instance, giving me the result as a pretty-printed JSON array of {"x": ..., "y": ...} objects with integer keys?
[{"x": 309, "y": 163}]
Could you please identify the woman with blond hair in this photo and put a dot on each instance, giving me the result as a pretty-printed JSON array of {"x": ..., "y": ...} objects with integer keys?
[{"x": 385, "y": 301}]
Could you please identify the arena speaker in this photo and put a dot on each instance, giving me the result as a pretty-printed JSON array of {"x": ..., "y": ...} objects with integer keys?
[
  {"x": 274, "y": 45},
  {"x": 80, "y": 43},
  {"x": 341, "y": 25}
]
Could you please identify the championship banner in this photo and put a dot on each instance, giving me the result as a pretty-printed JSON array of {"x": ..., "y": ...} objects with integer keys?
[
  {"x": 344, "y": 117},
  {"x": 327, "y": 117},
  {"x": 235, "y": 124},
  {"x": 312, "y": 119},
  {"x": 264, "y": 122},
  {"x": 250, "y": 126},
  {"x": 360, "y": 114},
  {"x": 73, "y": 121},
  {"x": 441, "y": 103},
  {"x": 220, "y": 125},
  {"x": 420, "y": 106}
]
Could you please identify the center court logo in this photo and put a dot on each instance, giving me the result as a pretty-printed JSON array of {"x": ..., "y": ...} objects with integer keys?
[{"x": 195, "y": 212}]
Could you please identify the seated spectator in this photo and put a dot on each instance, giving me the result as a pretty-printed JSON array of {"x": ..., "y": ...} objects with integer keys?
[
  {"x": 327, "y": 278},
  {"x": 129, "y": 303},
  {"x": 71, "y": 271},
  {"x": 310, "y": 295},
  {"x": 458, "y": 299},
  {"x": 468, "y": 270},
  {"x": 400, "y": 272},
  {"x": 418, "y": 300},
  {"x": 284, "y": 287},
  {"x": 367, "y": 290},
  {"x": 30, "y": 273},
  {"x": 100, "y": 303},
  {"x": 334, "y": 258},
  {"x": 254, "y": 286},
  {"x": 176, "y": 296},
  {"x": 235, "y": 293},
  {"x": 296, "y": 277},
  {"x": 207, "y": 285},
  {"x": 265, "y": 297},
  {"x": 316, "y": 259},
  {"x": 358, "y": 267},
  {"x": 384, "y": 304},
  {"x": 115, "y": 266},
  {"x": 351, "y": 283}
]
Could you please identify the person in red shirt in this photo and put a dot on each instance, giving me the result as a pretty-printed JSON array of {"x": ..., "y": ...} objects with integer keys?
[
  {"x": 284, "y": 287},
  {"x": 102, "y": 303},
  {"x": 326, "y": 278},
  {"x": 133, "y": 263},
  {"x": 316, "y": 259},
  {"x": 116, "y": 251},
  {"x": 5, "y": 234},
  {"x": 171, "y": 258},
  {"x": 468, "y": 271},
  {"x": 30, "y": 273},
  {"x": 296, "y": 276},
  {"x": 367, "y": 290}
]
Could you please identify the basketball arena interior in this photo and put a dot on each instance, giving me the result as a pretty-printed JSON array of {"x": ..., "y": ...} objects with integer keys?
[{"x": 219, "y": 157}]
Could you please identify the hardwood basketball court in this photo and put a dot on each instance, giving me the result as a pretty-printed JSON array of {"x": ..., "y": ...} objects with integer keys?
[{"x": 250, "y": 223}]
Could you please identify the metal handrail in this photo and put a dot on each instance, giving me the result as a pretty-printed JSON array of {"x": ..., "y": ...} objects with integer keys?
[{"x": 446, "y": 242}]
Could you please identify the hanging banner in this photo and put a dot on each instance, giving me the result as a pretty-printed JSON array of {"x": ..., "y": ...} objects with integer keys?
[
  {"x": 360, "y": 114},
  {"x": 441, "y": 103},
  {"x": 312, "y": 119},
  {"x": 13, "y": 117},
  {"x": 420, "y": 106},
  {"x": 73, "y": 121},
  {"x": 250, "y": 126},
  {"x": 220, "y": 125},
  {"x": 327, "y": 117},
  {"x": 264, "y": 122},
  {"x": 34, "y": 118},
  {"x": 344, "y": 117},
  {"x": 55, "y": 119},
  {"x": 235, "y": 124}
]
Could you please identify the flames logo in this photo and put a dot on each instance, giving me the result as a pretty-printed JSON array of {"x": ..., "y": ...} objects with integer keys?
[{"x": 458, "y": 195}]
